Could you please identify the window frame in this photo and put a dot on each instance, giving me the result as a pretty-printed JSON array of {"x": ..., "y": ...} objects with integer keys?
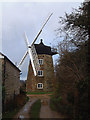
[
  {"x": 40, "y": 60},
  {"x": 40, "y": 87},
  {"x": 40, "y": 72}
]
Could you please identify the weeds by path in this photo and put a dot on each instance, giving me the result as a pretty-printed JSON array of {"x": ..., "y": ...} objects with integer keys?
[
  {"x": 35, "y": 110},
  {"x": 10, "y": 114}
]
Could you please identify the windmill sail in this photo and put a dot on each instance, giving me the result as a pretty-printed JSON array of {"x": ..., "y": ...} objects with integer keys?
[
  {"x": 35, "y": 58},
  {"x": 41, "y": 29},
  {"x": 31, "y": 52},
  {"x": 32, "y": 61},
  {"x": 22, "y": 59}
]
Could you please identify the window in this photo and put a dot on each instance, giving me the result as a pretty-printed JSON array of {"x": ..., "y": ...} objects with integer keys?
[
  {"x": 41, "y": 61},
  {"x": 39, "y": 86},
  {"x": 40, "y": 73}
]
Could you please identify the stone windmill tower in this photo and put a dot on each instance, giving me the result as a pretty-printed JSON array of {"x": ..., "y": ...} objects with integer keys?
[
  {"x": 40, "y": 71},
  {"x": 44, "y": 80}
]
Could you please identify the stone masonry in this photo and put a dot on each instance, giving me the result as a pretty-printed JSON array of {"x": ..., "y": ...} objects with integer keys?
[
  {"x": 48, "y": 75},
  {"x": 10, "y": 78}
]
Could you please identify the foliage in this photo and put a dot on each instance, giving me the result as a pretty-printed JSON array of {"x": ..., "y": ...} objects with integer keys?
[
  {"x": 57, "y": 105},
  {"x": 52, "y": 105},
  {"x": 10, "y": 114},
  {"x": 75, "y": 27},
  {"x": 22, "y": 91},
  {"x": 54, "y": 101},
  {"x": 13, "y": 106},
  {"x": 71, "y": 68},
  {"x": 70, "y": 97},
  {"x": 27, "y": 98},
  {"x": 35, "y": 110},
  {"x": 83, "y": 98},
  {"x": 82, "y": 86}
]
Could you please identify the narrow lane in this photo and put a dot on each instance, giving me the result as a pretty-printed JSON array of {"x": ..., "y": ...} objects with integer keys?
[
  {"x": 45, "y": 111},
  {"x": 24, "y": 112}
]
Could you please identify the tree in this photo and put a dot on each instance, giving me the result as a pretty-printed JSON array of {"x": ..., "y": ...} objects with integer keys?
[
  {"x": 72, "y": 64},
  {"x": 76, "y": 26}
]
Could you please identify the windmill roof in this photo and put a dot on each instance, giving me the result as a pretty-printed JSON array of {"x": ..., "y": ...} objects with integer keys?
[{"x": 43, "y": 49}]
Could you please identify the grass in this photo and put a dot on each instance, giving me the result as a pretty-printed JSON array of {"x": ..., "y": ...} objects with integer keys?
[
  {"x": 38, "y": 93},
  {"x": 35, "y": 110},
  {"x": 27, "y": 98}
]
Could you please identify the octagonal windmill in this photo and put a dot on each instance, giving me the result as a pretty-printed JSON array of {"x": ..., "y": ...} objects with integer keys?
[{"x": 40, "y": 71}]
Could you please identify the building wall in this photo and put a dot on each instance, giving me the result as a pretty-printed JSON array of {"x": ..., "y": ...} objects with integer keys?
[
  {"x": 1, "y": 69},
  {"x": 12, "y": 80},
  {"x": 48, "y": 75}
]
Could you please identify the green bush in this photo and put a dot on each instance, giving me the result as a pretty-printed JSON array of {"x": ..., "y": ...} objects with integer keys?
[
  {"x": 83, "y": 99},
  {"x": 52, "y": 105},
  {"x": 56, "y": 104},
  {"x": 70, "y": 97},
  {"x": 27, "y": 98},
  {"x": 9, "y": 115},
  {"x": 22, "y": 91}
]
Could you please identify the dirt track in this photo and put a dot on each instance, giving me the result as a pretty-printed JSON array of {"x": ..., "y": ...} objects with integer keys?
[{"x": 45, "y": 111}]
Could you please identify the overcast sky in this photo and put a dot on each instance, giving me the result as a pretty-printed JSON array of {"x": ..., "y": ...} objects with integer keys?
[{"x": 18, "y": 17}]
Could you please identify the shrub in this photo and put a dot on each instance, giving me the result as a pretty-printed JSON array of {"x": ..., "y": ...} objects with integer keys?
[
  {"x": 57, "y": 104},
  {"x": 70, "y": 97}
]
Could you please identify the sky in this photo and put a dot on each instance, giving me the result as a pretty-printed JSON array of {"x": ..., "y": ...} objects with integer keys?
[{"x": 20, "y": 17}]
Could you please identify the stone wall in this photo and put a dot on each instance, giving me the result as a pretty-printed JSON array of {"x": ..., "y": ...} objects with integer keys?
[
  {"x": 1, "y": 88},
  {"x": 10, "y": 78},
  {"x": 1, "y": 69},
  {"x": 48, "y": 75}
]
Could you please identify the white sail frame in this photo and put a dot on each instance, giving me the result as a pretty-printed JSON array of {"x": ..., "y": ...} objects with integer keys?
[{"x": 29, "y": 50}]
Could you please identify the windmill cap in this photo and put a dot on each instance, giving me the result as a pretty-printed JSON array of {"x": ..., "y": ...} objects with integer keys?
[{"x": 43, "y": 49}]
